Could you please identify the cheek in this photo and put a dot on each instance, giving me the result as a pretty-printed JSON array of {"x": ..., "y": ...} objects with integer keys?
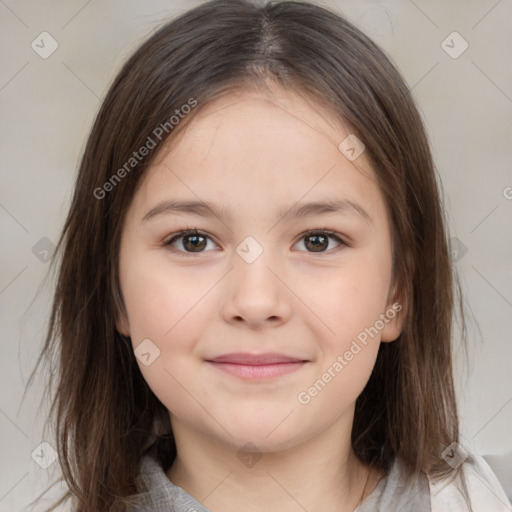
[
  {"x": 166, "y": 311},
  {"x": 161, "y": 300},
  {"x": 351, "y": 300},
  {"x": 334, "y": 391}
]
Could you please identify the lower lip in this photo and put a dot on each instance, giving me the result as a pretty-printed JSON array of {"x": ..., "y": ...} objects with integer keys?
[{"x": 258, "y": 372}]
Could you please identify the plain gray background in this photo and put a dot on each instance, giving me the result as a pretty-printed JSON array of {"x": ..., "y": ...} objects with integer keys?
[{"x": 48, "y": 105}]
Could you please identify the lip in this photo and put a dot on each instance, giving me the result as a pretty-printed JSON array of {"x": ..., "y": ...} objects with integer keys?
[{"x": 249, "y": 366}]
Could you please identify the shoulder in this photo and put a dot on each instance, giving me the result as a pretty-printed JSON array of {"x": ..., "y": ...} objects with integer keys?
[
  {"x": 483, "y": 489},
  {"x": 424, "y": 494},
  {"x": 158, "y": 494}
]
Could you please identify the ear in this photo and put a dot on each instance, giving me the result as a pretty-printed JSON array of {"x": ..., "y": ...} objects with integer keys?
[
  {"x": 122, "y": 324},
  {"x": 396, "y": 311}
]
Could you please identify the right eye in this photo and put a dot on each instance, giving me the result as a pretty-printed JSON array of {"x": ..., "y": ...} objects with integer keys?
[{"x": 190, "y": 240}]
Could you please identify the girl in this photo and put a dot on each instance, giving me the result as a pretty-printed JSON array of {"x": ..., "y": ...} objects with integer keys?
[{"x": 255, "y": 296}]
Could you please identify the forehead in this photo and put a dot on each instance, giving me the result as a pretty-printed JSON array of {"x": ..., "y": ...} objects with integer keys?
[
  {"x": 257, "y": 149},
  {"x": 259, "y": 116}
]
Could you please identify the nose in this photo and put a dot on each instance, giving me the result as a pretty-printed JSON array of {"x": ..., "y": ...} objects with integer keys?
[{"x": 256, "y": 294}]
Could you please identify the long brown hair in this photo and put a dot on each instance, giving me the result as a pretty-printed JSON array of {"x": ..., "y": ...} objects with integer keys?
[{"x": 106, "y": 416}]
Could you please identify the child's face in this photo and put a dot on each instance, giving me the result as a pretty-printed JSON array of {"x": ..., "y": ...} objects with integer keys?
[{"x": 218, "y": 295}]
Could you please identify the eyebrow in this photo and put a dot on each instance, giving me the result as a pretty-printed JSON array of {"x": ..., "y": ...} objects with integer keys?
[{"x": 206, "y": 209}]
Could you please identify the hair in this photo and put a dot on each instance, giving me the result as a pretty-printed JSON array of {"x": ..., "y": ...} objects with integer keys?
[{"x": 106, "y": 416}]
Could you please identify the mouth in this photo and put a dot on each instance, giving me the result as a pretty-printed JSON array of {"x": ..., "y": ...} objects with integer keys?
[{"x": 248, "y": 366}]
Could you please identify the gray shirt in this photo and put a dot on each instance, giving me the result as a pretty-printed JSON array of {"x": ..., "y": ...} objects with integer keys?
[
  {"x": 161, "y": 495},
  {"x": 158, "y": 494}
]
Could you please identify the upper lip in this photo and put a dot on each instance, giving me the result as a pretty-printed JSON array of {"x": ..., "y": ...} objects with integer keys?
[{"x": 255, "y": 359}]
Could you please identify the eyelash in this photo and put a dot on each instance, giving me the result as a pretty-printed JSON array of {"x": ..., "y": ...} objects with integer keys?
[{"x": 180, "y": 234}]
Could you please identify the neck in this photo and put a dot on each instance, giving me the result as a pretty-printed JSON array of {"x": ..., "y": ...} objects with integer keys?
[{"x": 318, "y": 475}]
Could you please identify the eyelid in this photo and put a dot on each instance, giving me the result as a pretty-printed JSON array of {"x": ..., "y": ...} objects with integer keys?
[{"x": 329, "y": 232}]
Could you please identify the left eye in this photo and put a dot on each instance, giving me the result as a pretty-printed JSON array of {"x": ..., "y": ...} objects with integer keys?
[{"x": 318, "y": 241}]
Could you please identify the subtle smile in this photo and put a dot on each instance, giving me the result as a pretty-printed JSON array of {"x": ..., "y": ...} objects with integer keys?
[{"x": 256, "y": 366}]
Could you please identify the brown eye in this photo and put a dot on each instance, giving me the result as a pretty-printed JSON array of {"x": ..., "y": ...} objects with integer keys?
[
  {"x": 318, "y": 241},
  {"x": 194, "y": 243},
  {"x": 190, "y": 241}
]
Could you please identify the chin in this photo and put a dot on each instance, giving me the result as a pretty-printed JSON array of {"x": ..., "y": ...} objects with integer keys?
[{"x": 262, "y": 436}]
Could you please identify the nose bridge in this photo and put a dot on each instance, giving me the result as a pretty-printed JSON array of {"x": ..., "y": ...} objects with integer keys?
[
  {"x": 252, "y": 262},
  {"x": 257, "y": 294},
  {"x": 250, "y": 250}
]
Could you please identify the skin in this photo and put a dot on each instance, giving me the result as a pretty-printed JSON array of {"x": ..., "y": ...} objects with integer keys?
[{"x": 256, "y": 152}]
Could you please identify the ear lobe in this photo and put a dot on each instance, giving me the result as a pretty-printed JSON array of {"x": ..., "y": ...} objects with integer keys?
[
  {"x": 395, "y": 319},
  {"x": 395, "y": 314},
  {"x": 122, "y": 325}
]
